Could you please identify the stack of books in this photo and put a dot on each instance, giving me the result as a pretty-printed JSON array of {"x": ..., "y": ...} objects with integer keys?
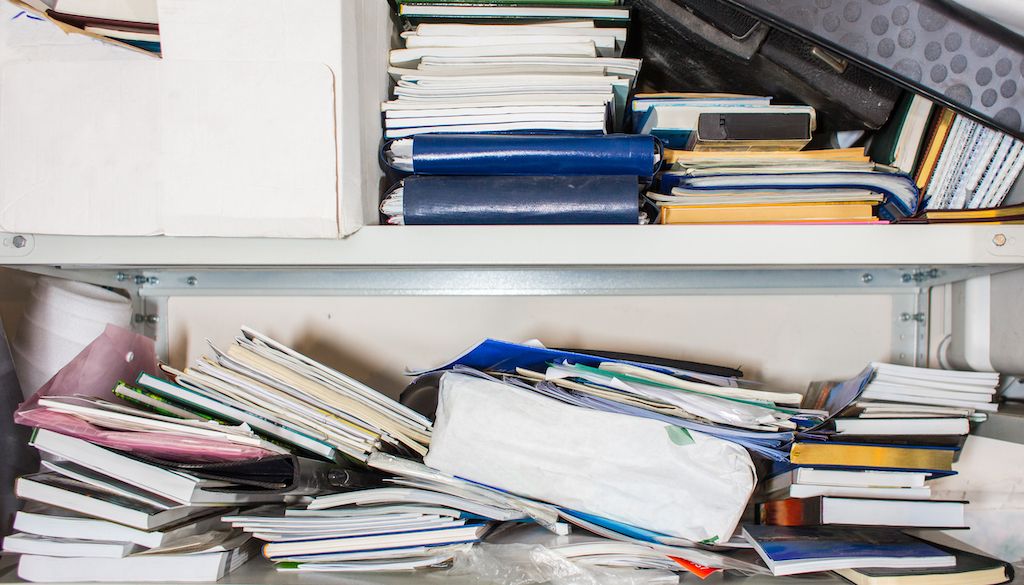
[
  {"x": 550, "y": 79},
  {"x": 964, "y": 170},
  {"x": 753, "y": 170},
  {"x": 97, "y": 514},
  {"x": 135, "y": 23},
  {"x": 293, "y": 399},
  {"x": 501, "y": 67},
  {"x": 420, "y": 518},
  {"x": 909, "y": 391},
  {"x": 854, "y": 483},
  {"x": 134, "y": 489}
]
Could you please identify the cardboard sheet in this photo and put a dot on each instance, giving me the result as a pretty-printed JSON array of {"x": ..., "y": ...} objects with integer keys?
[{"x": 147, "y": 147}]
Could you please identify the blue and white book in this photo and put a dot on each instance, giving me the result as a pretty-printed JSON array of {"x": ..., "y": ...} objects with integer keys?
[{"x": 792, "y": 550}]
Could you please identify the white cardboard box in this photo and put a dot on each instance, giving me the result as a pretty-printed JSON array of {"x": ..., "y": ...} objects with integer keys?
[{"x": 262, "y": 119}]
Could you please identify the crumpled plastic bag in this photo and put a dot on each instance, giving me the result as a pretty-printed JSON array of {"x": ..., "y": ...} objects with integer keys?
[{"x": 523, "y": 564}]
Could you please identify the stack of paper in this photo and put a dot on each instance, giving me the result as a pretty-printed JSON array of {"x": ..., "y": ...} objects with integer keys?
[
  {"x": 515, "y": 69},
  {"x": 782, "y": 189},
  {"x": 98, "y": 514},
  {"x": 293, "y": 399},
  {"x": 762, "y": 421},
  {"x": 931, "y": 387},
  {"x": 421, "y": 519},
  {"x": 976, "y": 168}
]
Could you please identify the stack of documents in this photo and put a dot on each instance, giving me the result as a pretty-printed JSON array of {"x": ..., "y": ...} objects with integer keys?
[
  {"x": 514, "y": 69},
  {"x": 860, "y": 479},
  {"x": 782, "y": 189},
  {"x": 897, "y": 386},
  {"x": 760, "y": 420},
  {"x": 420, "y": 518},
  {"x": 96, "y": 513},
  {"x": 976, "y": 168},
  {"x": 295, "y": 400}
]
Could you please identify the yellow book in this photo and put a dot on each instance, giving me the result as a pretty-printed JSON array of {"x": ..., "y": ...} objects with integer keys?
[
  {"x": 871, "y": 456},
  {"x": 673, "y": 156},
  {"x": 775, "y": 212},
  {"x": 1011, "y": 211},
  {"x": 933, "y": 147}
]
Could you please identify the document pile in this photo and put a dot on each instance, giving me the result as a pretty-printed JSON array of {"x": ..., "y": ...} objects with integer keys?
[
  {"x": 695, "y": 400},
  {"x": 135, "y": 23},
  {"x": 903, "y": 391},
  {"x": 864, "y": 470},
  {"x": 470, "y": 69},
  {"x": 97, "y": 513},
  {"x": 420, "y": 518},
  {"x": 747, "y": 177},
  {"x": 290, "y": 398},
  {"x": 517, "y": 68}
]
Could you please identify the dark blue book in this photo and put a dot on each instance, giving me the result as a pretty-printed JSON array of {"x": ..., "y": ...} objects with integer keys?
[
  {"x": 525, "y": 154},
  {"x": 789, "y": 551},
  {"x": 448, "y": 200}
]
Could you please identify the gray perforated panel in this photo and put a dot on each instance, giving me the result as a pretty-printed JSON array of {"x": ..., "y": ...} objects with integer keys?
[{"x": 968, "y": 63}]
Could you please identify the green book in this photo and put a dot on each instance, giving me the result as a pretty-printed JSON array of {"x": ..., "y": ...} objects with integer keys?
[{"x": 155, "y": 403}]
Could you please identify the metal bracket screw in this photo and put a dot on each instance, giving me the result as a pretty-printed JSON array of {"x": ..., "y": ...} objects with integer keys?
[
  {"x": 905, "y": 317},
  {"x": 19, "y": 241},
  {"x": 192, "y": 280},
  {"x": 866, "y": 278},
  {"x": 120, "y": 277}
]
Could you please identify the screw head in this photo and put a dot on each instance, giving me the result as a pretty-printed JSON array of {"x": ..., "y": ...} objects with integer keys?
[
  {"x": 999, "y": 239},
  {"x": 152, "y": 319},
  {"x": 120, "y": 277},
  {"x": 192, "y": 281},
  {"x": 19, "y": 241},
  {"x": 907, "y": 277},
  {"x": 153, "y": 280},
  {"x": 866, "y": 277}
]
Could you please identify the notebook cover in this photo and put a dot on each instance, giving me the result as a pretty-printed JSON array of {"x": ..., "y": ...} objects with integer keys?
[
  {"x": 753, "y": 126},
  {"x": 876, "y": 456},
  {"x": 785, "y": 543},
  {"x": 447, "y": 200},
  {"x": 84, "y": 21},
  {"x": 538, "y": 154},
  {"x": 966, "y": 563}
]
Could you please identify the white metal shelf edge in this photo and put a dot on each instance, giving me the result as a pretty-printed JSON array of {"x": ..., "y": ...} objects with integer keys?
[{"x": 721, "y": 245}]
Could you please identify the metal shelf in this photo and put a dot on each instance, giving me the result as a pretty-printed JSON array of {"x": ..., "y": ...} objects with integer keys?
[{"x": 730, "y": 246}]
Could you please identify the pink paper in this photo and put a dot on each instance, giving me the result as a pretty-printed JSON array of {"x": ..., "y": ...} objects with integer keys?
[{"x": 170, "y": 446}]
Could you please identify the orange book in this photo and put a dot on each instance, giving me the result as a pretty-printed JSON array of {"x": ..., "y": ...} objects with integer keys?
[
  {"x": 834, "y": 154},
  {"x": 933, "y": 147},
  {"x": 774, "y": 212}
]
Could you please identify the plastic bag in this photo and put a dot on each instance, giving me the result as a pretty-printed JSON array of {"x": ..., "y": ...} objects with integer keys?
[
  {"x": 116, "y": 355},
  {"x": 522, "y": 564}
]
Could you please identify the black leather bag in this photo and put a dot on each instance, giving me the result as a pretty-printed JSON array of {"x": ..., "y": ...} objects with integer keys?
[{"x": 707, "y": 45}]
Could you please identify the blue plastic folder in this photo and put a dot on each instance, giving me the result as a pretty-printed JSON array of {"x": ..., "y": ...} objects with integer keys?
[
  {"x": 446, "y": 200},
  {"x": 535, "y": 154}
]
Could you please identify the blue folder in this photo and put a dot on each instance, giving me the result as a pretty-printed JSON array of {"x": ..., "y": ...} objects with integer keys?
[
  {"x": 535, "y": 154},
  {"x": 446, "y": 200}
]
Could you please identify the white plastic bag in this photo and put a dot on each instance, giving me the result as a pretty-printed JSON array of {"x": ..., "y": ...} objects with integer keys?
[{"x": 633, "y": 470}]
